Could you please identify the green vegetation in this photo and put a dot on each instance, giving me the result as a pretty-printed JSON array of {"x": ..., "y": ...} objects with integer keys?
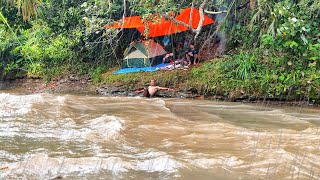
[
  {"x": 273, "y": 47},
  {"x": 251, "y": 77},
  {"x": 64, "y": 38},
  {"x": 277, "y": 52},
  {"x": 174, "y": 79}
]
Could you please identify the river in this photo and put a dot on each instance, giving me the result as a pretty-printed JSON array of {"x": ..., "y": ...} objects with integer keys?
[{"x": 46, "y": 136}]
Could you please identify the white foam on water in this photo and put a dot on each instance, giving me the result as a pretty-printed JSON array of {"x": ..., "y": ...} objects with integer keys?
[
  {"x": 61, "y": 100},
  {"x": 45, "y": 129},
  {"x": 9, "y": 129},
  {"x": 102, "y": 128},
  {"x": 42, "y": 166},
  {"x": 7, "y": 156},
  {"x": 156, "y": 161},
  {"x": 159, "y": 103},
  {"x": 16, "y": 105},
  {"x": 158, "y": 164},
  {"x": 62, "y": 133},
  {"x": 222, "y": 106},
  {"x": 97, "y": 130},
  {"x": 54, "y": 99},
  {"x": 207, "y": 162}
]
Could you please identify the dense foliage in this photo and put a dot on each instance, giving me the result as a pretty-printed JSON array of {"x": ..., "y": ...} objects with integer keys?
[
  {"x": 65, "y": 37},
  {"x": 273, "y": 45},
  {"x": 278, "y": 51}
]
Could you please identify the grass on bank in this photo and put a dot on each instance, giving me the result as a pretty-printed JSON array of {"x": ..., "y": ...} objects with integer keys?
[
  {"x": 173, "y": 79},
  {"x": 242, "y": 75}
]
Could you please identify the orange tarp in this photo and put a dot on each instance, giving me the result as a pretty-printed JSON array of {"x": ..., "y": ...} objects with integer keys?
[
  {"x": 127, "y": 22},
  {"x": 160, "y": 26},
  {"x": 185, "y": 16}
]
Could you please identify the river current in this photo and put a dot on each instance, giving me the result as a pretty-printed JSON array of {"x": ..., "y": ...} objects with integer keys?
[{"x": 46, "y": 136}]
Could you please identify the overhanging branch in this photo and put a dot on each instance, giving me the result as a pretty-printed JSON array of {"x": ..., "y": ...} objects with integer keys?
[
  {"x": 219, "y": 25},
  {"x": 215, "y": 12},
  {"x": 201, "y": 19},
  {"x": 177, "y": 21}
]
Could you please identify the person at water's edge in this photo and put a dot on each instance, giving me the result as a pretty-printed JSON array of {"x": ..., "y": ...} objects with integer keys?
[{"x": 152, "y": 89}]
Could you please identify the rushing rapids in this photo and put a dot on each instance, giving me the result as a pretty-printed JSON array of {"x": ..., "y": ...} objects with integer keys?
[{"x": 45, "y": 136}]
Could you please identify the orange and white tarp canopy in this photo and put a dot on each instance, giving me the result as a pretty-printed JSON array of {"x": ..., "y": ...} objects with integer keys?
[
  {"x": 159, "y": 26},
  {"x": 193, "y": 14}
]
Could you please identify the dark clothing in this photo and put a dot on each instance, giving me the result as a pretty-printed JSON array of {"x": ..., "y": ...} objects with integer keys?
[
  {"x": 194, "y": 52},
  {"x": 167, "y": 60},
  {"x": 146, "y": 92}
]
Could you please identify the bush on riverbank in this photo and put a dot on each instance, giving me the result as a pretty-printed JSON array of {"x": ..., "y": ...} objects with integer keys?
[{"x": 251, "y": 75}]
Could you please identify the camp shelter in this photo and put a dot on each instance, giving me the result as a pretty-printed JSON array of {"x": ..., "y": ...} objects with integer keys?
[{"x": 144, "y": 53}]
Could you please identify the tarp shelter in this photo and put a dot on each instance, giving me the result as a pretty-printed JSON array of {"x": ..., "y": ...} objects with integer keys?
[
  {"x": 158, "y": 27},
  {"x": 191, "y": 16},
  {"x": 142, "y": 54},
  {"x": 161, "y": 26}
]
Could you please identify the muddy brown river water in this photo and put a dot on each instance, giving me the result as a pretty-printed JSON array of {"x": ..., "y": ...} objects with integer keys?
[{"x": 45, "y": 136}]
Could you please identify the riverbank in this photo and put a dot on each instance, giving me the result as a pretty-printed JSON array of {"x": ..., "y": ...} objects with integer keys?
[
  {"x": 199, "y": 82},
  {"x": 231, "y": 78},
  {"x": 72, "y": 84}
]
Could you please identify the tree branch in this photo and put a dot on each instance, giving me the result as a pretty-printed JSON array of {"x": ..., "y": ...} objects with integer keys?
[
  {"x": 124, "y": 9},
  {"x": 201, "y": 19},
  {"x": 189, "y": 26},
  {"x": 191, "y": 12},
  {"x": 219, "y": 25},
  {"x": 109, "y": 6},
  {"x": 213, "y": 12},
  {"x": 177, "y": 21},
  {"x": 124, "y": 12}
]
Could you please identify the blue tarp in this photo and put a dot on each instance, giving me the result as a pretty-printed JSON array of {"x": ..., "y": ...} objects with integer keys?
[{"x": 144, "y": 69}]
